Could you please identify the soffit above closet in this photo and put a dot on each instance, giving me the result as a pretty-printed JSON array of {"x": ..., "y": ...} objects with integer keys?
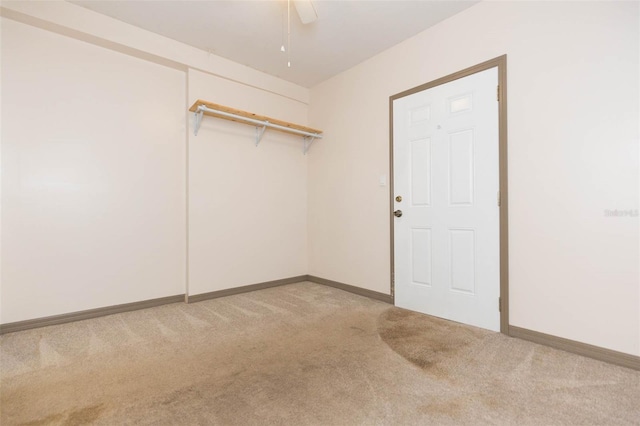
[{"x": 251, "y": 32}]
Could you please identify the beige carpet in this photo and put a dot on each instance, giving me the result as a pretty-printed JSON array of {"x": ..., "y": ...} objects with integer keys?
[{"x": 301, "y": 354}]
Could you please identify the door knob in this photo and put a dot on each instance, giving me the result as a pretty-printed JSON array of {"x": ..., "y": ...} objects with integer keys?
[{"x": 397, "y": 213}]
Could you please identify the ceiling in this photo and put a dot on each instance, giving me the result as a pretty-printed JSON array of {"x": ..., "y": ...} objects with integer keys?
[{"x": 251, "y": 32}]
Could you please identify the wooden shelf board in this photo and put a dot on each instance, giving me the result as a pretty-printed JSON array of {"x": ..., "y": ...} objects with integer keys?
[{"x": 241, "y": 113}]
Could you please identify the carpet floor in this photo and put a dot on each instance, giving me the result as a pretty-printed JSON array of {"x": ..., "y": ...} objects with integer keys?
[{"x": 301, "y": 354}]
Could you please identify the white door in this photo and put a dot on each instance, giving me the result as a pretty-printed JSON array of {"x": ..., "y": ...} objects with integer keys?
[{"x": 446, "y": 244}]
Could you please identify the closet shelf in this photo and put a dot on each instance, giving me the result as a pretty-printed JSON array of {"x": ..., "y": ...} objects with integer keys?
[{"x": 261, "y": 122}]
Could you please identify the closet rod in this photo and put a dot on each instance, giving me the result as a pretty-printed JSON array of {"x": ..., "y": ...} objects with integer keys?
[{"x": 202, "y": 108}]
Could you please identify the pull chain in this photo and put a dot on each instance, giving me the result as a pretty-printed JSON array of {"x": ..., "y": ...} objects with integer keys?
[{"x": 289, "y": 33}]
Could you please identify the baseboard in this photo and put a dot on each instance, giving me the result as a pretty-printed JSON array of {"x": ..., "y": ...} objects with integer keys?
[
  {"x": 127, "y": 307},
  {"x": 584, "y": 349},
  {"x": 91, "y": 313},
  {"x": 352, "y": 289},
  {"x": 245, "y": 289}
]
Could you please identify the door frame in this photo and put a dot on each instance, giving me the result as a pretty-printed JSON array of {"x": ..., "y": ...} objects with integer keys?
[{"x": 501, "y": 63}]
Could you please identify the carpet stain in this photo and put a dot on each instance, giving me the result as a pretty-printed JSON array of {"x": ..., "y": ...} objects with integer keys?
[
  {"x": 85, "y": 415},
  {"x": 81, "y": 416},
  {"x": 423, "y": 340},
  {"x": 52, "y": 419}
]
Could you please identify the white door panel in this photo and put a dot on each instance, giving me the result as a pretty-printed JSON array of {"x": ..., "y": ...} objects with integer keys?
[{"x": 446, "y": 243}]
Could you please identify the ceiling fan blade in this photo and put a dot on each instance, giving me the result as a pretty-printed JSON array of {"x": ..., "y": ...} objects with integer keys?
[{"x": 306, "y": 11}]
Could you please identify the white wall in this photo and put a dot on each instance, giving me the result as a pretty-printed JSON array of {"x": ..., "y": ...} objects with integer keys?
[
  {"x": 247, "y": 204},
  {"x": 93, "y": 181},
  {"x": 573, "y": 153}
]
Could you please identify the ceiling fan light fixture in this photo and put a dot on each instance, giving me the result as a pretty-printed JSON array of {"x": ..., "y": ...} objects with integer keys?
[{"x": 306, "y": 11}]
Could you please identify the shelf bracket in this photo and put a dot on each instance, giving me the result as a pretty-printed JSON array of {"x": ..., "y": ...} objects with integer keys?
[
  {"x": 198, "y": 120},
  {"x": 260, "y": 132},
  {"x": 308, "y": 140}
]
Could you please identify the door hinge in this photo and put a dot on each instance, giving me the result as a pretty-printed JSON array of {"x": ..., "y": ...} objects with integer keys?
[
  {"x": 499, "y": 199},
  {"x": 499, "y": 304},
  {"x": 498, "y": 93}
]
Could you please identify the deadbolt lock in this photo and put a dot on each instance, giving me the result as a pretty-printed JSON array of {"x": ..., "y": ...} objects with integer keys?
[{"x": 399, "y": 198}]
